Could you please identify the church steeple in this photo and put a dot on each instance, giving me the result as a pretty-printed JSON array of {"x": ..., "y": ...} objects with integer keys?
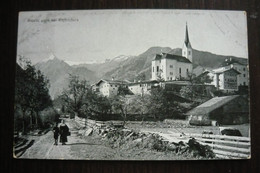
[
  {"x": 187, "y": 49},
  {"x": 187, "y": 41}
]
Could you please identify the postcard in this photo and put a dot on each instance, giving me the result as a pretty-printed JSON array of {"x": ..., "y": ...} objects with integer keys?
[{"x": 132, "y": 85}]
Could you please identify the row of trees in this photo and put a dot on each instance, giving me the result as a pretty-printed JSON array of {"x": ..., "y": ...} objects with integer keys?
[
  {"x": 80, "y": 100},
  {"x": 31, "y": 96}
]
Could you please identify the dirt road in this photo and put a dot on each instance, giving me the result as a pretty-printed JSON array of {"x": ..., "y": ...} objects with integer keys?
[
  {"x": 89, "y": 148},
  {"x": 76, "y": 148}
]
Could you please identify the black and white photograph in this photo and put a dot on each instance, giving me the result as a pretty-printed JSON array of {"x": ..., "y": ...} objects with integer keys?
[{"x": 132, "y": 85}]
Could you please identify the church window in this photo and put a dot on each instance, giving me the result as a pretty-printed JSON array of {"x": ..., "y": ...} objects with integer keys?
[
  {"x": 157, "y": 70},
  {"x": 180, "y": 70},
  {"x": 187, "y": 70},
  {"x": 189, "y": 52}
]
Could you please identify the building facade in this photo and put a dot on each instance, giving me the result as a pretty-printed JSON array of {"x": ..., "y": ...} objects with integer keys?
[
  {"x": 243, "y": 77},
  {"x": 109, "y": 88},
  {"x": 224, "y": 79},
  {"x": 144, "y": 87},
  {"x": 173, "y": 67}
]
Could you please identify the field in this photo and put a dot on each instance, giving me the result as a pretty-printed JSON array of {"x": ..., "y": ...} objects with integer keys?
[{"x": 181, "y": 126}]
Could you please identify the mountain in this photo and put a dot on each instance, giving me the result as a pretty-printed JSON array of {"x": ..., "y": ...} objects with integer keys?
[
  {"x": 133, "y": 66},
  {"x": 57, "y": 71},
  {"x": 121, "y": 67},
  {"x": 209, "y": 60}
]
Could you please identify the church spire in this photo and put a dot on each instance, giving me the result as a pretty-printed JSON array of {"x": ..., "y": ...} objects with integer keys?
[
  {"x": 187, "y": 49},
  {"x": 187, "y": 41}
]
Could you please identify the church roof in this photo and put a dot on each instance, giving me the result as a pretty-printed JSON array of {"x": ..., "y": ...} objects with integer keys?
[{"x": 171, "y": 56}]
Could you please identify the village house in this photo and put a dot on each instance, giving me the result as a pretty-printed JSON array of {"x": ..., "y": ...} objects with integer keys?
[
  {"x": 173, "y": 67},
  {"x": 142, "y": 87},
  {"x": 109, "y": 88},
  {"x": 224, "y": 79},
  {"x": 232, "y": 109},
  {"x": 176, "y": 86},
  {"x": 242, "y": 78}
]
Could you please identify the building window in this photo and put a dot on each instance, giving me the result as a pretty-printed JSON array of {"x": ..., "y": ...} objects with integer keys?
[
  {"x": 157, "y": 69},
  {"x": 171, "y": 73},
  {"x": 244, "y": 69},
  {"x": 153, "y": 69},
  {"x": 244, "y": 75},
  {"x": 187, "y": 70},
  {"x": 171, "y": 66},
  {"x": 189, "y": 52},
  {"x": 180, "y": 70},
  {"x": 244, "y": 83}
]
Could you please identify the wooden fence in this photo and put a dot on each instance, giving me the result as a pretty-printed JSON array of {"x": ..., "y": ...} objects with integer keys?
[{"x": 226, "y": 147}]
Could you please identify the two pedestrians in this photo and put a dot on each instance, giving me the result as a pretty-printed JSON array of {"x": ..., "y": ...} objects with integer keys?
[{"x": 63, "y": 131}]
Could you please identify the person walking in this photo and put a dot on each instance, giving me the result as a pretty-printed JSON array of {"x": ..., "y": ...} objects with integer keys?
[
  {"x": 64, "y": 132},
  {"x": 56, "y": 131}
]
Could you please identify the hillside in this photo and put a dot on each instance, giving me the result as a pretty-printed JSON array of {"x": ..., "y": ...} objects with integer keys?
[
  {"x": 57, "y": 71},
  {"x": 133, "y": 66},
  {"x": 121, "y": 67}
]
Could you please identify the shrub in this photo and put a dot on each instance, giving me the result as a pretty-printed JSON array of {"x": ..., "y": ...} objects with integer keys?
[{"x": 48, "y": 116}]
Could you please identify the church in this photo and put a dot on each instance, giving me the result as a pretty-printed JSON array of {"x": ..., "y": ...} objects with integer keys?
[{"x": 170, "y": 67}]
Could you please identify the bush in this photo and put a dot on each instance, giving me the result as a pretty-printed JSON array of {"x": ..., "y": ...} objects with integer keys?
[{"x": 48, "y": 116}]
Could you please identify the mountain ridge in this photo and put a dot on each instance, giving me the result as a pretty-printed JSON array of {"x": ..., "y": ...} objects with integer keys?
[{"x": 122, "y": 67}]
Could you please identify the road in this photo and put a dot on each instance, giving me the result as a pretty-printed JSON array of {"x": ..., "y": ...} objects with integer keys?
[{"x": 76, "y": 147}]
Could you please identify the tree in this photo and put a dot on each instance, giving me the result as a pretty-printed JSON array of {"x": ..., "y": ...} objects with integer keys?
[
  {"x": 80, "y": 100},
  {"x": 120, "y": 104},
  {"x": 138, "y": 105},
  {"x": 74, "y": 96},
  {"x": 161, "y": 104},
  {"x": 141, "y": 77},
  {"x": 98, "y": 106},
  {"x": 195, "y": 88},
  {"x": 31, "y": 92}
]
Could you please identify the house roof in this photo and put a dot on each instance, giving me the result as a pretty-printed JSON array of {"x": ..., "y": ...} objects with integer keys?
[
  {"x": 171, "y": 56},
  {"x": 222, "y": 70},
  {"x": 143, "y": 82},
  {"x": 111, "y": 81},
  {"x": 211, "y": 105},
  {"x": 177, "y": 82}
]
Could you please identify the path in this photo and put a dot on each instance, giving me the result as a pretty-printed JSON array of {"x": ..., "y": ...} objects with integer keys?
[{"x": 76, "y": 148}]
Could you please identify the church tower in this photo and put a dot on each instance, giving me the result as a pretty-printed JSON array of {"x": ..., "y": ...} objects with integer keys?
[{"x": 187, "y": 49}]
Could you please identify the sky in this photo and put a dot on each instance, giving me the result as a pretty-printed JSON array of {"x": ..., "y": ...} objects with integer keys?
[{"x": 87, "y": 36}]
